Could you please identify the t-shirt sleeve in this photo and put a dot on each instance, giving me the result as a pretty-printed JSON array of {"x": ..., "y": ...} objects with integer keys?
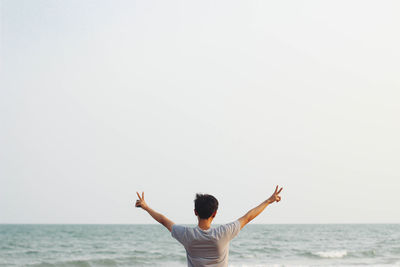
[
  {"x": 178, "y": 232},
  {"x": 231, "y": 229}
]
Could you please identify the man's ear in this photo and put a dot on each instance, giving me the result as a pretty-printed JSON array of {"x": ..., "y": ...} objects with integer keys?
[
  {"x": 195, "y": 212},
  {"x": 213, "y": 215}
]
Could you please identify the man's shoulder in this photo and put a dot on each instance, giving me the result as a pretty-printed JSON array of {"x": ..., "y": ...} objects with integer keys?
[
  {"x": 177, "y": 231},
  {"x": 178, "y": 227},
  {"x": 233, "y": 224},
  {"x": 181, "y": 229},
  {"x": 182, "y": 226},
  {"x": 229, "y": 229}
]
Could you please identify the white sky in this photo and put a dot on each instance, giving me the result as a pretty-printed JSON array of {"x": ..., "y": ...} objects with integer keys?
[{"x": 100, "y": 99}]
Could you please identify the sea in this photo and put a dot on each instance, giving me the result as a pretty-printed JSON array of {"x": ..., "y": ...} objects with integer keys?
[{"x": 152, "y": 245}]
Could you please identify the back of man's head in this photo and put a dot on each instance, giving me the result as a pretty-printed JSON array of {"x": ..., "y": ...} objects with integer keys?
[{"x": 205, "y": 205}]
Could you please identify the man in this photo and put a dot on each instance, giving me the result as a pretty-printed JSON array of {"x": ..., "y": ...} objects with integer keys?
[{"x": 206, "y": 246}]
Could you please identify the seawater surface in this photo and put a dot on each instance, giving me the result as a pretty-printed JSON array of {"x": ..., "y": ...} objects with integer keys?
[{"x": 152, "y": 245}]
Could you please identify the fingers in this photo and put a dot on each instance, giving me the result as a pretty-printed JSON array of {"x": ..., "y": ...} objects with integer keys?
[
  {"x": 277, "y": 191},
  {"x": 140, "y": 201},
  {"x": 276, "y": 196},
  {"x": 140, "y": 198}
]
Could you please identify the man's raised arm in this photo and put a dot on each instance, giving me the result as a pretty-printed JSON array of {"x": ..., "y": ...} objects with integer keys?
[
  {"x": 251, "y": 214},
  {"x": 140, "y": 203}
]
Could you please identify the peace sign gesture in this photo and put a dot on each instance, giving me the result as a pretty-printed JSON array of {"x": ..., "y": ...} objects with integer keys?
[
  {"x": 275, "y": 196},
  {"x": 140, "y": 203}
]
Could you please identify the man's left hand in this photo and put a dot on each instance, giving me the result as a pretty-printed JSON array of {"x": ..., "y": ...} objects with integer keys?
[{"x": 140, "y": 203}]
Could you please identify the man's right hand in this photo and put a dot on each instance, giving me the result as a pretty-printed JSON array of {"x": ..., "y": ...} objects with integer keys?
[
  {"x": 275, "y": 196},
  {"x": 140, "y": 203}
]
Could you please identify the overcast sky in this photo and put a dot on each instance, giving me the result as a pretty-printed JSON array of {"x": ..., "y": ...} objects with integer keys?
[{"x": 100, "y": 99}]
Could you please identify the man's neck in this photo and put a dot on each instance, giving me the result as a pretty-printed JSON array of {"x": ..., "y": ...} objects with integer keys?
[{"x": 205, "y": 224}]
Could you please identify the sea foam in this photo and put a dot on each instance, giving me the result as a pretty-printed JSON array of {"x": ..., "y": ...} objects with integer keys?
[{"x": 331, "y": 254}]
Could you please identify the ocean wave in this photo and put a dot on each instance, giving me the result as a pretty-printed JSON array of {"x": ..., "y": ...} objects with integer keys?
[
  {"x": 72, "y": 263},
  {"x": 330, "y": 254},
  {"x": 80, "y": 263},
  {"x": 368, "y": 253},
  {"x": 118, "y": 261}
]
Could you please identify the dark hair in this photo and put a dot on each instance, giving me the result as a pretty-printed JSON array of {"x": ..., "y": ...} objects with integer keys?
[{"x": 205, "y": 205}]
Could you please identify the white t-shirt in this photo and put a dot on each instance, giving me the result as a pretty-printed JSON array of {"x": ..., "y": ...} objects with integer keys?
[{"x": 206, "y": 247}]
